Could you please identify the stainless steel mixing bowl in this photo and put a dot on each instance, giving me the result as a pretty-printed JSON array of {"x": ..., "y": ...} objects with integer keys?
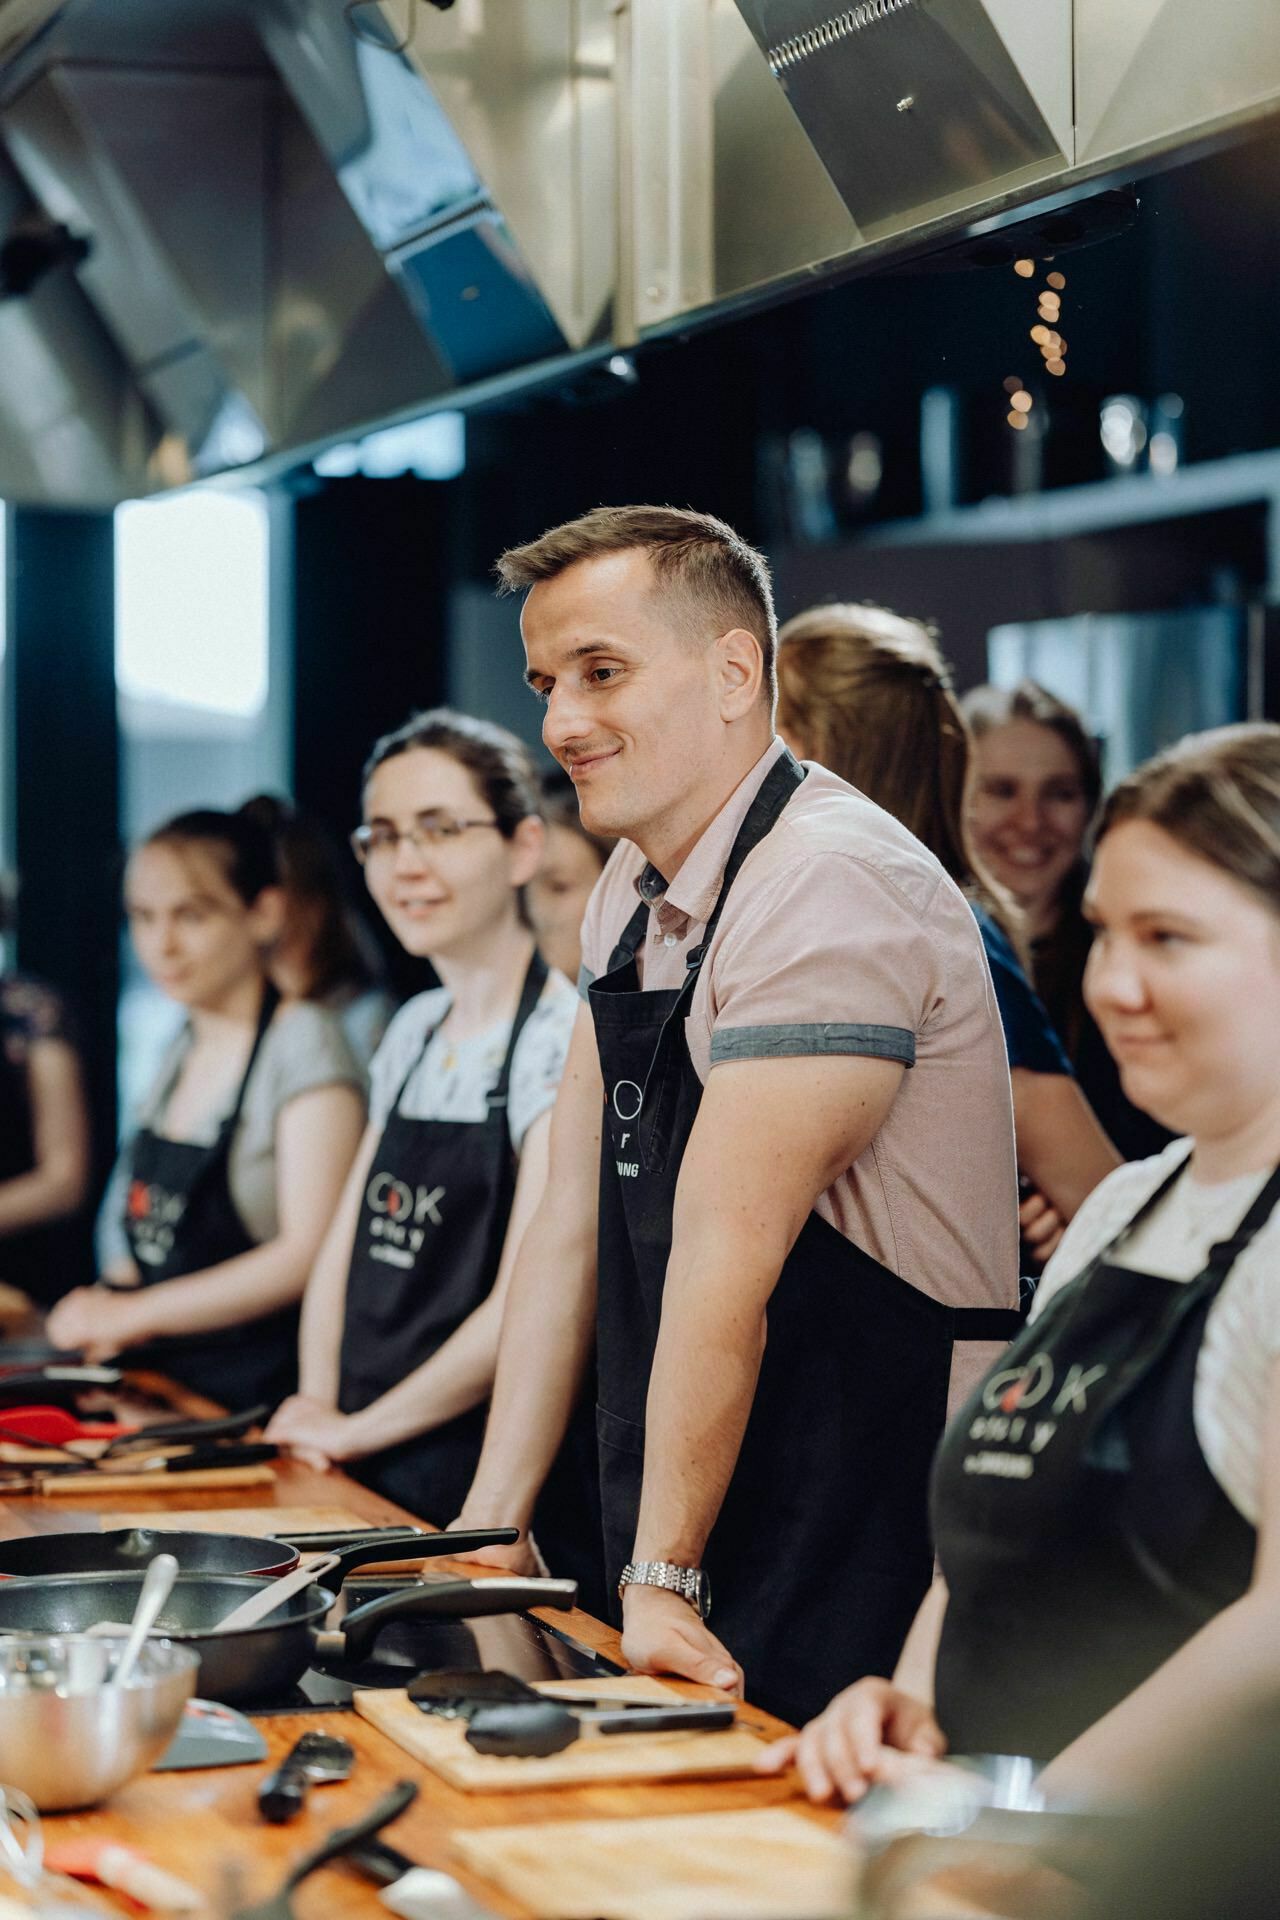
[{"x": 67, "y": 1737}]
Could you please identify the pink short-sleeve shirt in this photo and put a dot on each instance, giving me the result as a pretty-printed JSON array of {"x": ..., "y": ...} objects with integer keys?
[{"x": 842, "y": 934}]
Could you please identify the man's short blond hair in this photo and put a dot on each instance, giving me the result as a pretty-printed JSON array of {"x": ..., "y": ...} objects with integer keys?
[{"x": 716, "y": 580}]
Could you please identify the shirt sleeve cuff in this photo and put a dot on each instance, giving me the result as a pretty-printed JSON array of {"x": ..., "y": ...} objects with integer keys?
[
  {"x": 585, "y": 979},
  {"x": 778, "y": 1043}
]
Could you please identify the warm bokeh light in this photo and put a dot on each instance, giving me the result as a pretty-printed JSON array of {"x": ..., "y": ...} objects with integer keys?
[
  {"x": 1021, "y": 402},
  {"x": 1040, "y": 335},
  {"x": 1055, "y": 366},
  {"x": 1024, "y": 267},
  {"x": 1018, "y": 420},
  {"x": 1058, "y": 280}
]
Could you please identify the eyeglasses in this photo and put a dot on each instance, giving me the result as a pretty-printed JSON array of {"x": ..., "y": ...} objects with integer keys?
[{"x": 381, "y": 841}]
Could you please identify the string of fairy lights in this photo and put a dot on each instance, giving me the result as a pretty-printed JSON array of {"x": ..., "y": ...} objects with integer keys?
[{"x": 1052, "y": 345}]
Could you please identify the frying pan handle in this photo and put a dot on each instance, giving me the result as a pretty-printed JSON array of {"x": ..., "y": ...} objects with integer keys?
[
  {"x": 418, "y": 1546},
  {"x": 450, "y": 1600},
  {"x": 467, "y": 1540},
  {"x": 227, "y": 1426},
  {"x": 426, "y": 1546}
]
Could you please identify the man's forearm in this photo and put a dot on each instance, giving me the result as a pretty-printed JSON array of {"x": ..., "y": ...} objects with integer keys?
[
  {"x": 547, "y": 1330},
  {"x": 705, "y": 1369}
]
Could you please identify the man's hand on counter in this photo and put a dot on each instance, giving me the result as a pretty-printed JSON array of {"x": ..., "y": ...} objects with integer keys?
[
  {"x": 100, "y": 1323},
  {"x": 661, "y": 1633}
]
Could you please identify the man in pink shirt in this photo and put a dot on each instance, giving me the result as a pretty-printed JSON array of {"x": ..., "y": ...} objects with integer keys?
[{"x": 782, "y": 1178}]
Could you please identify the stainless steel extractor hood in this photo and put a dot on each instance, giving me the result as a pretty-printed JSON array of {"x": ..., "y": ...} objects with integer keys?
[
  {"x": 920, "y": 106},
  {"x": 302, "y": 219}
]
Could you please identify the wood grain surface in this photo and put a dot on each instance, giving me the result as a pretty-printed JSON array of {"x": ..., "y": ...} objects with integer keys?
[
  {"x": 204, "y": 1825},
  {"x": 764, "y": 1865}
]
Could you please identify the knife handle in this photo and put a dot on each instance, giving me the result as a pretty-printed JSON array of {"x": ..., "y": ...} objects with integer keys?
[
  {"x": 695, "y": 1717},
  {"x": 283, "y": 1793},
  {"x": 248, "y": 1453}
]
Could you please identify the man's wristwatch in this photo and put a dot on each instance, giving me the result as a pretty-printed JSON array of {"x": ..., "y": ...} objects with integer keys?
[{"x": 691, "y": 1583}]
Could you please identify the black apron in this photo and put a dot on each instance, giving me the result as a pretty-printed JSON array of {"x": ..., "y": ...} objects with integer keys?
[
  {"x": 1081, "y": 1532},
  {"x": 426, "y": 1254},
  {"x": 180, "y": 1218},
  {"x": 821, "y": 1552}
]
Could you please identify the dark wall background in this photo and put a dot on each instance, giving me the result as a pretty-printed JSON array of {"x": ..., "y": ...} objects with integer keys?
[
  {"x": 60, "y": 617},
  {"x": 1186, "y": 301}
]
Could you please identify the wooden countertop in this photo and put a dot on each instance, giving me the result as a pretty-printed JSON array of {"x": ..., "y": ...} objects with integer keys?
[{"x": 201, "y": 1824}]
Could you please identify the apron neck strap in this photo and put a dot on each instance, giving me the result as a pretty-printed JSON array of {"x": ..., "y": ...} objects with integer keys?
[
  {"x": 1225, "y": 1252},
  {"x": 776, "y": 789},
  {"x": 535, "y": 980},
  {"x": 631, "y": 936},
  {"x": 266, "y": 1013}
]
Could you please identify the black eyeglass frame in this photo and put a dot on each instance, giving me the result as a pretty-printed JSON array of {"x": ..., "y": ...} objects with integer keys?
[{"x": 426, "y": 831}]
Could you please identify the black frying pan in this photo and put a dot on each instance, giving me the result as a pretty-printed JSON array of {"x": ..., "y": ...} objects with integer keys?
[
  {"x": 131, "y": 1550},
  {"x": 262, "y": 1662}
]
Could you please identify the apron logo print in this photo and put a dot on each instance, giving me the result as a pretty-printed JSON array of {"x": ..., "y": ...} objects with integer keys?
[
  {"x": 1033, "y": 1383},
  {"x": 401, "y": 1203},
  {"x": 152, "y": 1213},
  {"x": 628, "y": 1099}
]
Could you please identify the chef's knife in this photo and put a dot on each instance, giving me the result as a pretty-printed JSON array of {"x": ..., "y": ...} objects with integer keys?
[{"x": 317, "y": 1758}]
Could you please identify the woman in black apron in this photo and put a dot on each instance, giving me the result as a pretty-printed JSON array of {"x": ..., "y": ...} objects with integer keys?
[
  {"x": 1098, "y": 1504},
  {"x": 196, "y": 1289},
  {"x": 400, "y": 1325}
]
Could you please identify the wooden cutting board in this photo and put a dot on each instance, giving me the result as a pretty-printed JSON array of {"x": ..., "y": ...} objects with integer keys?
[
  {"x": 106, "y": 1482},
  {"x": 767, "y": 1864},
  {"x": 263, "y": 1522},
  {"x": 442, "y": 1744}
]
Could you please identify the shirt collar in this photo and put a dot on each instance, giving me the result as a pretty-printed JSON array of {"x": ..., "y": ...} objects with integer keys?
[{"x": 694, "y": 889}]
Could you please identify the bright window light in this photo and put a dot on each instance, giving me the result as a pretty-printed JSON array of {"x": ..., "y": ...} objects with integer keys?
[{"x": 191, "y": 601}]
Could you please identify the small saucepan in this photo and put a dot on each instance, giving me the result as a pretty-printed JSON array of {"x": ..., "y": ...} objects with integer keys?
[{"x": 261, "y": 1662}]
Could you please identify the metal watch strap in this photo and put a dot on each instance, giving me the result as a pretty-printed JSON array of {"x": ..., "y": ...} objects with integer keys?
[{"x": 689, "y": 1582}]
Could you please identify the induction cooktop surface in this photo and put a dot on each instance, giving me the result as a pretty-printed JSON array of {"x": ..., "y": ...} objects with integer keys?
[{"x": 514, "y": 1642}]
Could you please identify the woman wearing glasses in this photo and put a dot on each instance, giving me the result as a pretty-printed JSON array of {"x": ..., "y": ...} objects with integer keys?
[
  {"x": 401, "y": 1316},
  {"x": 220, "y": 1200}
]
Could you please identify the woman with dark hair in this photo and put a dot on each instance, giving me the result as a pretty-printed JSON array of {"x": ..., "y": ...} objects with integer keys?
[
  {"x": 44, "y": 1138},
  {"x": 868, "y": 694},
  {"x": 220, "y": 1199},
  {"x": 1036, "y": 786},
  {"x": 323, "y": 953},
  {"x": 1106, "y": 1508},
  {"x": 572, "y": 861},
  {"x": 401, "y": 1317}
]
